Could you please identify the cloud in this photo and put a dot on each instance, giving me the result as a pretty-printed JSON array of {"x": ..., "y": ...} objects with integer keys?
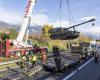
[
  {"x": 15, "y": 18},
  {"x": 64, "y": 24},
  {"x": 40, "y": 11},
  {"x": 9, "y": 16},
  {"x": 39, "y": 19},
  {"x": 87, "y": 18},
  {"x": 95, "y": 29},
  {"x": 12, "y": 17},
  {"x": 83, "y": 29}
]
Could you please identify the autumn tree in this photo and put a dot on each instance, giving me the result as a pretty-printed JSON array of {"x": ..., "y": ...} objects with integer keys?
[
  {"x": 13, "y": 34},
  {"x": 83, "y": 38},
  {"x": 45, "y": 30},
  {"x": 4, "y": 36}
]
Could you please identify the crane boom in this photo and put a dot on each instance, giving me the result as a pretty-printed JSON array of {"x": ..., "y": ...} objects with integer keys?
[{"x": 28, "y": 12}]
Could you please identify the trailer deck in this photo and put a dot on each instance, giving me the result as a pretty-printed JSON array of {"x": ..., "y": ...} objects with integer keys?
[{"x": 67, "y": 60}]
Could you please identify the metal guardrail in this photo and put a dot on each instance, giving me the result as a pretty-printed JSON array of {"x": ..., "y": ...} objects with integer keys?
[{"x": 9, "y": 62}]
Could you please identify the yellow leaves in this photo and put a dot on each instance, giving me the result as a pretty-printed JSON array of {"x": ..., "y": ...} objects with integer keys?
[
  {"x": 1, "y": 75},
  {"x": 46, "y": 29},
  {"x": 83, "y": 38},
  {"x": 59, "y": 43}
]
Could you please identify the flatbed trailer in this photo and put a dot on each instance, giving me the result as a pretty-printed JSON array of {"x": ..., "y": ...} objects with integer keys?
[{"x": 67, "y": 60}]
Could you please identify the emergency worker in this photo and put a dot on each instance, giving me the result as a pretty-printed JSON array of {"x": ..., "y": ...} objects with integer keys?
[
  {"x": 34, "y": 59},
  {"x": 21, "y": 62},
  {"x": 43, "y": 56}
]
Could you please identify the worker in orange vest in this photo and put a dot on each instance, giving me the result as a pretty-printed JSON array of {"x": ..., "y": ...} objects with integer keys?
[{"x": 43, "y": 56}]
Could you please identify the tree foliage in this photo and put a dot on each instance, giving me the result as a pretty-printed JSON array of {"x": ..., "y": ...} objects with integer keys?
[
  {"x": 83, "y": 38},
  {"x": 45, "y": 30},
  {"x": 4, "y": 36},
  {"x": 13, "y": 34}
]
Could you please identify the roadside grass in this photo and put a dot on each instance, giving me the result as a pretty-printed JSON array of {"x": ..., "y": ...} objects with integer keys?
[
  {"x": 8, "y": 65},
  {"x": 7, "y": 59}
]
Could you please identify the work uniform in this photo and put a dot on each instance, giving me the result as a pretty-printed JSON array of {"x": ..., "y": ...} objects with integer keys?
[
  {"x": 34, "y": 59},
  {"x": 21, "y": 62},
  {"x": 43, "y": 57}
]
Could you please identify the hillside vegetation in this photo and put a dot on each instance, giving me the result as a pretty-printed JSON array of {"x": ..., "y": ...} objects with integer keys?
[{"x": 43, "y": 39}]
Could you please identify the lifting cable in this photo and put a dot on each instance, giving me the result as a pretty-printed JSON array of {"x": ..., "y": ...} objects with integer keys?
[
  {"x": 59, "y": 12},
  {"x": 70, "y": 14}
]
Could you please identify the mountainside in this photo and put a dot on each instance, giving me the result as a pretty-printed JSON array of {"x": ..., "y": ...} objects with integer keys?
[
  {"x": 6, "y": 26},
  {"x": 36, "y": 29},
  {"x": 93, "y": 36}
]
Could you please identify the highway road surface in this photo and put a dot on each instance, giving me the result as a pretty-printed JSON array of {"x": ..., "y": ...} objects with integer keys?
[{"x": 87, "y": 70}]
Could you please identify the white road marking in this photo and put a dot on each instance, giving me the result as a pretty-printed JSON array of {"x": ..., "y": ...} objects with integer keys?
[
  {"x": 16, "y": 78},
  {"x": 50, "y": 78},
  {"x": 85, "y": 63},
  {"x": 39, "y": 69},
  {"x": 67, "y": 77}
]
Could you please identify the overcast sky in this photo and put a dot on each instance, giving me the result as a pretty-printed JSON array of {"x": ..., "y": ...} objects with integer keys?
[{"x": 44, "y": 11}]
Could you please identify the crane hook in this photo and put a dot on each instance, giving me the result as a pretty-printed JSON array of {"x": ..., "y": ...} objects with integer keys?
[{"x": 93, "y": 24}]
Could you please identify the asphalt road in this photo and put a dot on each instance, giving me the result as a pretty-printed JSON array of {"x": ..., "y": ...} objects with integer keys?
[
  {"x": 15, "y": 74},
  {"x": 91, "y": 71}
]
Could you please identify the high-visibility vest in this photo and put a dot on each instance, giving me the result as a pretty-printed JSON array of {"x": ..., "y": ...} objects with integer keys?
[{"x": 34, "y": 58}]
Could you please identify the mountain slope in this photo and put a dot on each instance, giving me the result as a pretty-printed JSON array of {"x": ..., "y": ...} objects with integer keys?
[{"x": 33, "y": 29}]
